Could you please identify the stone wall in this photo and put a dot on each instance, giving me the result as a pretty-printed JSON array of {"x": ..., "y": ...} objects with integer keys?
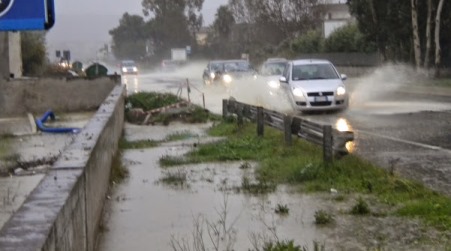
[{"x": 64, "y": 211}]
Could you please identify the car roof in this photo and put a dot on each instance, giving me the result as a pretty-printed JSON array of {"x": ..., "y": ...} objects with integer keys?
[
  {"x": 310, "y": 61},
  {"x": 229, "y": 61},
  {"x": 275, "y": 60}
]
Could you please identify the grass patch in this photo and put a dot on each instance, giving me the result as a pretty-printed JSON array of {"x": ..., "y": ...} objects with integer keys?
[
  {"x": 139, "y": 144},
  {"x": 180, "y": 136},
  {"x": 151, "y": 100},
  {"x": 361, "y": 207},
  {"x": 323, "y": 218},
  {"x": 175, "y": 178},
  {"x": 441, "y": 82},
  {"x": 118, "y": 171},
  {"x": 302, "y": 165},
  {"x": 281, "y": 209}
]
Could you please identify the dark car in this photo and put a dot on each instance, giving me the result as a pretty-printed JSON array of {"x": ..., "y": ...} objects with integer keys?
[{"x": 227, "y": 71}]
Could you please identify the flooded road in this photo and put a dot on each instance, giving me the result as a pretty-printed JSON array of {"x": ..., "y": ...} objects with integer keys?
[{"x": 408, "y": 131}]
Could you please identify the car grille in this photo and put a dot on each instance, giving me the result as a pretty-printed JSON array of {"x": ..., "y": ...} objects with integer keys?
[
  {"x": 316, "y": 94},
  {"x": 325, "y": 103}
]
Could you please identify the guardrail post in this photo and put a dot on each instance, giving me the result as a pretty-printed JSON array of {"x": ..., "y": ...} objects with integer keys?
[
  {"x": 260, "y": 121},
  {"x": 327, "y": 144},
  {"x": 288, "y": 131},
  {"x": 225, "y": 108}
]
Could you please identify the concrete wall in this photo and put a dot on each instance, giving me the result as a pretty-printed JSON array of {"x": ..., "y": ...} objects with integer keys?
[
  {"x": 18, "y": 97},
  {"x": 63, "y": 212}
]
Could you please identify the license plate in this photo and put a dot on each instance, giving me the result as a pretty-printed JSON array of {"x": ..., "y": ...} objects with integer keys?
[{"x": 320, "y": 98}]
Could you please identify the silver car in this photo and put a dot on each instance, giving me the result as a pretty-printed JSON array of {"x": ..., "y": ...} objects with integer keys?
[{"x": 313, "y": 84}]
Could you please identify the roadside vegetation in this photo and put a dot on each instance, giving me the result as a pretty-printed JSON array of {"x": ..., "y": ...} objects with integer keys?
[
  {"x": 301, "y": 165},
  {"x": 140, "y": 104}
]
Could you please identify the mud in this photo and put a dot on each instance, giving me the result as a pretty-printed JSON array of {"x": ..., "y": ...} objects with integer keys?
[{"x": 145, "y": 212}]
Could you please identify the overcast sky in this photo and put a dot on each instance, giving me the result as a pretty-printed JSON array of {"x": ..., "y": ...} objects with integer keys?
[{"x": 82, "y": 26}]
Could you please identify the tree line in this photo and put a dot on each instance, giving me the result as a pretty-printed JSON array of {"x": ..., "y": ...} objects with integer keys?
[{"x": 408, "y": 31}]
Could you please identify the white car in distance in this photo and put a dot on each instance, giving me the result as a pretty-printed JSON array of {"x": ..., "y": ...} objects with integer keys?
[{"x": 314, "y": 85}]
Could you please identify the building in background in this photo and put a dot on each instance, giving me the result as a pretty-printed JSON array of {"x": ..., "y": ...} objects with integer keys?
[{"x": 336, "y": 15}]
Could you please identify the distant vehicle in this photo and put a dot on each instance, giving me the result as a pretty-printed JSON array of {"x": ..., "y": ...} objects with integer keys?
[
  {"x": 227, "y": 71},
  {"x": 313, "y": 84},
  {"x": 129, "y": 67},
  {"x": 179, "y": 54},
  {"x": 169, "y": 65},
  {"x": 271, "y": 71},
  {"x": 273, "y": 67}
]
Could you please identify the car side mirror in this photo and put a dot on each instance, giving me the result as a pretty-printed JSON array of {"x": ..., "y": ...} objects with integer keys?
[
  {"x": 344, "y": 77},
  {"x": 283, "y": 80}
]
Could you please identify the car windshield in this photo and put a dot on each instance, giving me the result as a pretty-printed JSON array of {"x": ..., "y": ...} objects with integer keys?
[
  {"x": 314, "y": 71},
  {"x": 237, "y": 66},
  {"x": 128, "y": 63},
  {"x": 216, "y": 66},
  {"x": 275, "y": 68}
]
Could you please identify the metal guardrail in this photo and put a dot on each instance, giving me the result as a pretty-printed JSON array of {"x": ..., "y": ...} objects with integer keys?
[{"x": 332, "y": 141}]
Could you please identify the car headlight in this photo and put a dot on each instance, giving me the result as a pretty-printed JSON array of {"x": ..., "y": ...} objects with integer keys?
[
  {"x": 274, "y": 84},
  {"x": 227, "y": 78},
  {"x": 124, "y": 69},
  {"x": 341, "y": 91},
  {"x": 212, "y": 75},
  {"x": 298, "y": 92},
  {"x": 135, "y": 68}
]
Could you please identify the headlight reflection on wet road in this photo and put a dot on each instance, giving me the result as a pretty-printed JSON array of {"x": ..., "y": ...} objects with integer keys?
[
  {"x": 131, "y": 84},
  {"x": 343, "y": 125}
]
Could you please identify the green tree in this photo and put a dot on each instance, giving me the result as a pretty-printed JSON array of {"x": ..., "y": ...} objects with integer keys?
[
  {"x": 129, "y": 38},
  {"x": 310, "y": 42},
  {"x": 174, "y": 23},
  {"x": 348, "y": 39},
  {"x": 33, "y": 53}
]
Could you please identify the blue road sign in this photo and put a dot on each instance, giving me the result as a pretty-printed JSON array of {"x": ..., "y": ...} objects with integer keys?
[{"x": 19, "y": 15}]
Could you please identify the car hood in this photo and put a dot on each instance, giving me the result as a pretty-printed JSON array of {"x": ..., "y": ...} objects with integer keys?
[{"x": 317, "y": 85}]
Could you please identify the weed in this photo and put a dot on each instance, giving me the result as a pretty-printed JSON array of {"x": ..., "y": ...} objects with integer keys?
[
  {"x": 361, "y": 207},
  {"x": 139, "y": 144},
  {"x": 323, "y": 218},
  {"x": 151, "y": 100},
  {"x": 179, "y": 136},
  {"x": 283, "y": 246},
  {"x": 340, "y": 197},
  {"x": 168, "y": 160},
  {"x": 118, "y": 171},
  {"x": 178, "y": 178},
  {"x": 281, "y": 209},
  {"x": 261, "y": 187},
  {"x": 245, "y": 165}
]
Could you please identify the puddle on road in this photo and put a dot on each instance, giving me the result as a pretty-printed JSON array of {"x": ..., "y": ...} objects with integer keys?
[{"x": 146, "y": 212}]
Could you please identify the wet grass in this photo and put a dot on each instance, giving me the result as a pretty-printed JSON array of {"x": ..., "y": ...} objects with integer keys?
[
  {"x": 323, "y": 218},
  {"x": 441, "y": 82},
  {"x": 147, "y": 143},
  {"x": 138, "y": 144},
  {"x": 119, "y": 172},
  {"x": 175, "y": 178},
  {"x": 152, "y": 100},
  {"x": 302, "y": 165}
]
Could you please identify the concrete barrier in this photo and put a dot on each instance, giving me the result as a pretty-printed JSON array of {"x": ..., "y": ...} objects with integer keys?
[
  {"x": 19, "y": 97},
  {"x": 64, "y": 211}
]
